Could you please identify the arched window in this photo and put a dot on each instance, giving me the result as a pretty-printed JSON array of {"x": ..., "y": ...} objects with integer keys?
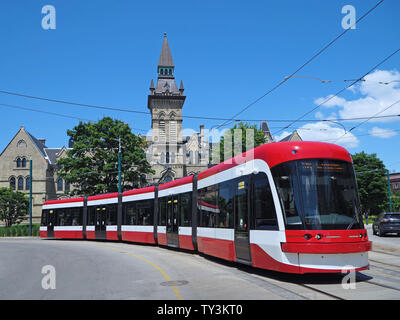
[
  {"x": 162, "y": 157},
  {"x": 167, "y": 157},
  {"x": 21, "y": 143},
  {"x": 12, "y": 183},
  {"x": 19, "y": 162},
  {"x": 190, "y": 157},
  {"x": 168, "y": 178},
  {"x": 172, "y": 157},
  {"x": 170, "y": 71},
  {"x": 162, "y": 71},
  {"x": 20, "y": 183},
  {"x": 59, "y": 184},
  {"x": 23, "y": 163},
  {"x": 67, "y": 186},
  {"x": 27, "y": 183}
]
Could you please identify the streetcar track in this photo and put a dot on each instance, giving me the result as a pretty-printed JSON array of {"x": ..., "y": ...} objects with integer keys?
[
  {"x": 386, "y": 264},
  {"x": 321, "y": 292}
]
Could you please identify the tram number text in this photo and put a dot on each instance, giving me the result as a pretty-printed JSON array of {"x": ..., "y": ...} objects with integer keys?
[{"x": 218, "y": 309}]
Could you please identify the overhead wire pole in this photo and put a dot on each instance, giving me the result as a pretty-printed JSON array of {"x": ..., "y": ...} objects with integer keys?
[
  {"x": 302, "y": 66},
  {"x": 389, "y": 191},
  {"x": 119, "y": 165},
  {"x": 30, "y": 197}
]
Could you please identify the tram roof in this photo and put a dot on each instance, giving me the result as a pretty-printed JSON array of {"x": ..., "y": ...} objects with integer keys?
[{"x": 279, "y": 152}]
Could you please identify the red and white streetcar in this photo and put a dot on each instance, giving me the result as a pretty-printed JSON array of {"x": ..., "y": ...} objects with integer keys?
[{"x": 286, "y": 206}]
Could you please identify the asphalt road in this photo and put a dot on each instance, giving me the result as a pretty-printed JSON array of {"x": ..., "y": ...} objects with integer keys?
[{"x": 113, "y": 270}]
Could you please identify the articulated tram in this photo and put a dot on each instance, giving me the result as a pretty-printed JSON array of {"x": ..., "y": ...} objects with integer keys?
[{"x": 286, "y": 206}]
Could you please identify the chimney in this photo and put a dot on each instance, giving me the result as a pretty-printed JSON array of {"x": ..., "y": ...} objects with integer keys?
[{"x": 42, "y": 141}]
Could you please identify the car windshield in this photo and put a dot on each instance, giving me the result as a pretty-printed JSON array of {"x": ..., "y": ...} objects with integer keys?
[
  {"x": 318, "y": 194},
  {"x": 393, "y": 216}
]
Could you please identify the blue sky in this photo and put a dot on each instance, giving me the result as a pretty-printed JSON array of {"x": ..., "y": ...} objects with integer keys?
[{"x": 228, "y": 53}]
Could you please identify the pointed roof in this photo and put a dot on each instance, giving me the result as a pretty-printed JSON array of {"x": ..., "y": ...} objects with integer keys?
[
  {"x": 292, "y": 137},
  {"x": 165, "y": 57}
]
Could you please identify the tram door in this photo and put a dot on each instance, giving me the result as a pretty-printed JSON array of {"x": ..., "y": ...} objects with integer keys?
[
  {"x": 100, "y": 227},
  {"x": 241, "y": 205},
  {"x": 172, "y": 222},
  {"x": 51, "y": 220}
]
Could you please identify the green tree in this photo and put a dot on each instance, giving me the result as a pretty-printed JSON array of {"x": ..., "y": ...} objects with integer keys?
[
  {"x": 91, "y": 166},
  {"x": 13, "y": 206},
  {"x": 396, "y": 201},
  {"x": 258, "y": 134},
  {"x": 371, "y": 181}
]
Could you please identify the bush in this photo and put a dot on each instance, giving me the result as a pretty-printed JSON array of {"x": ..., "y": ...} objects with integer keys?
[{"x": 19, "y": 231}]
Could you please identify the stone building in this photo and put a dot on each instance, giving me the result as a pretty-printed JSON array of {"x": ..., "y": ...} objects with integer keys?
[
  {"x": 171, "y": 155},
  {"x": 15, "y": 168}
]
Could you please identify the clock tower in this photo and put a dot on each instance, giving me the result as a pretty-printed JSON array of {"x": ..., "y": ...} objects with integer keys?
[{"x": 165, "y": 103}]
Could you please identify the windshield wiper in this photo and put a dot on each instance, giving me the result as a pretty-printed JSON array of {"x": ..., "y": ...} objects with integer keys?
[{"x": 351, "y": 223}]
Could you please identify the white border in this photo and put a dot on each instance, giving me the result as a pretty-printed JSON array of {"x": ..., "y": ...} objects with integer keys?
[
  {"x": 62, "y": 205},
  {"x": 98, "y": 202},
  {"x": 138, "y": 197},
  {"x": 188, "y": 187}
]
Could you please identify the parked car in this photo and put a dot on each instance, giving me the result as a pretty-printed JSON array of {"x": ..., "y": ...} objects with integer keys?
[{"x": 387, "y": 222}]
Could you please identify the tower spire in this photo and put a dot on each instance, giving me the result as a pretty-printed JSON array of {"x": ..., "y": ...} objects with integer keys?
[{"x": 165, "y": 63}]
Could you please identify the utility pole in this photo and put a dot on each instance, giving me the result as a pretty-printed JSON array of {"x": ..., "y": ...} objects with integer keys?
[
  {"x": 119, "y": 166},
  {"x": 30, "y": 197},
  {"x": 390, "y": 194}
]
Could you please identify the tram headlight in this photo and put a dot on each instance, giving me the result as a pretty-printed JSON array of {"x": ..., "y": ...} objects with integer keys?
[
  {"x": 318, "y": 236},
  {"x": 307, "y": 236}
]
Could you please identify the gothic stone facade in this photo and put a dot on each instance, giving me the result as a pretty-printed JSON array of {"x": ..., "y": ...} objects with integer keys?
[
  {"x": 171, "y": 155},
  {"x": 15, "y": 168}
]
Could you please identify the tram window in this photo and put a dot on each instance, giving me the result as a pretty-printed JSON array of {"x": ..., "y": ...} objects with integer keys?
[
  {"x": 285, "y": 177},
  {"x": 91, "y": 216},
  {"x": 43, "y": 221},
  {"x": 111, "y": 214},
  {"x": 75, "y": 217},
  {"x": 130, "y": 214},
  {"x": 185, "y": 200},
  {"x": 225, "y": 205},
  {"x": 162, "y": 213},
  {"x": 145, "y": 212},
  {"x": 241, "y": 203},
  {"x": 264, "y": 208},
  {"x": 60, "y": 214},
  {"x": 68, "y": 217},
  {"x": 207, "y": 206}
]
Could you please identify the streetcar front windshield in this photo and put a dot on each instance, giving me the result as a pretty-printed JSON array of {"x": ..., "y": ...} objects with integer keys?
[{"x": 318, "y": 194}]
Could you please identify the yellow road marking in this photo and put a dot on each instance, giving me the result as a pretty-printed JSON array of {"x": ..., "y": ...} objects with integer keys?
[{"x": 178, "y": 295}]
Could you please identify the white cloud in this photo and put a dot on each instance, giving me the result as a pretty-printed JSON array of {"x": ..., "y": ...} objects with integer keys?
[
  {"x": 376, "y": 96},
  {"x": 325, "y": 132},
  {"x": 382, "y": 133},
  {"x": 331, "y": 101}
]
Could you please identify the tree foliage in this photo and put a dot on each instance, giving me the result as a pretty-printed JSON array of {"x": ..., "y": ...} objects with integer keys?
[
  {"x": 13, "y": 206},
  {"x": 372, "y": 183},
  {"x": 258, "y": 140},
  {"x": 396, "y": 201},
  {"x": 91, "y": 166}
]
